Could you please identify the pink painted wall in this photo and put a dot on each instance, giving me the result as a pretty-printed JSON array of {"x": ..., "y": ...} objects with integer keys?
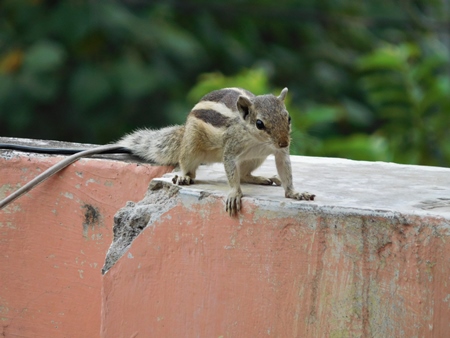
[
  {"x": 51, "y": 253},
  {"x": 278, "y": 270},
  {"x": 280, "y": 273}
]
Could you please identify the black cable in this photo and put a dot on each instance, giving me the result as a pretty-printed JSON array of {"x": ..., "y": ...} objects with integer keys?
[
  {"x": 55, "y": 168},
  {"x": 58, "y": 151}
]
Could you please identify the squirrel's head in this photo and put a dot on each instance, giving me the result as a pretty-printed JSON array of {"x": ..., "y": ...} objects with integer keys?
[{"x": 267, "y": 118}]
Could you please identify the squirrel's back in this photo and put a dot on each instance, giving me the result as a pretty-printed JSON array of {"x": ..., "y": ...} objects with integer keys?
[
  {"x": 219, "y": 108},
  {"x": 209, "y": 119}
]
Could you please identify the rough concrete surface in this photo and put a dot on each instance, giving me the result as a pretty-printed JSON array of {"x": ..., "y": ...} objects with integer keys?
[{"x": 370, "y": 257}]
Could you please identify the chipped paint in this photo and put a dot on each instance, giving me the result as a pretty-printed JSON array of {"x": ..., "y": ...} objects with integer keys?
[
  {"x": 67, "y": 195},
  {"x": 5, "y": 189},
  {"x": 9, "y": 225},
  {"x": 90, "y": 181}
]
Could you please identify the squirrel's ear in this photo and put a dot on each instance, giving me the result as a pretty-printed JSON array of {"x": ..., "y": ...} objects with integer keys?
[
  {"x": 283, "y": 95},
  {"x": 243, "y": 105}
]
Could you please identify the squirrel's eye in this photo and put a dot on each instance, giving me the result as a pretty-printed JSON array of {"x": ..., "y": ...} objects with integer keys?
[
  {"x": 289, "y": 119},
  {"x": 259, "y": 124}
]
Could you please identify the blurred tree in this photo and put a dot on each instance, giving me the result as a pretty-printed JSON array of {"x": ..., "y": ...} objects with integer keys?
[
  {"x": 93, "y": 70},
  {"x": 81, "y": 70},
  {"x": 409, "y": 87}
]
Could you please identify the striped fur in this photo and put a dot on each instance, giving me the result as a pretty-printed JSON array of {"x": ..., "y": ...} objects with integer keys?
[{"x": 222, "y": 127}]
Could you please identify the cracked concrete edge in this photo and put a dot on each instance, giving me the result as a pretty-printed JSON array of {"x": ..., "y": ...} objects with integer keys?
[
  {"x": 292, "y": 207},
  {"x": 163, "y": 195},
  {"x": 132, "y": 219}
]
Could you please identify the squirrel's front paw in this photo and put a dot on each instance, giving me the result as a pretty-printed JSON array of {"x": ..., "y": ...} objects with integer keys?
[
  {"x": 233, "y": 203},
  {"x": 182, "y": 180},
  {"x": 306, "y": 196}
]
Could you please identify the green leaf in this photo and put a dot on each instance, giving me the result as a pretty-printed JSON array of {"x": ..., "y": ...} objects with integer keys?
[
  {"x": 425, "y": 70},
  {"x": 44, "y": 56},
  {"x": 443, "y": 86},
  {"x": 388, "y": 58}
]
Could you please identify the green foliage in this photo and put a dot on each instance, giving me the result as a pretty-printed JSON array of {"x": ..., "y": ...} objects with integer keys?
[
  {"x": 89, "y": 71},
  {"x": 254, "y": 80},
  {"x": 367, "y": 80},
  {"x": 409, "y": 87}
]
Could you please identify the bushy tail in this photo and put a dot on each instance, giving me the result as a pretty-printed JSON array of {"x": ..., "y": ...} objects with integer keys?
[{"x": 160, "y": 146}]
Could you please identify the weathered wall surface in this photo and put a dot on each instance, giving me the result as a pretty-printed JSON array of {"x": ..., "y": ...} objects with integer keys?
[
  {"x": 53, "y": 242},
  {"x": 369, "y": 258}
]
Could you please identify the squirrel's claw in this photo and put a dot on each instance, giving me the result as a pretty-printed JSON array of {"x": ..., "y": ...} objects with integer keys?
[
  {"x": 305, "y": 196},
  {"x": 182, "y": 180},
  {"x": 233, "y": 203}
]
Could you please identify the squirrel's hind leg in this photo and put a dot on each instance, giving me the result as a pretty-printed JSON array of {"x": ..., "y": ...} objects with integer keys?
[
  {"x": 246, "y": 167},
  {"x": 188, "y": 166}
]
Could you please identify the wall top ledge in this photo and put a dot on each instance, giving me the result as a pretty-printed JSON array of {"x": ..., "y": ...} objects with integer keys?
[
  {"x": 339, "y": 184},
  {"x": 55, "y": 144}
]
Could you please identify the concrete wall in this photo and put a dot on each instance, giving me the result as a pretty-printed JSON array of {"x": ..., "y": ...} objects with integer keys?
[
  {"x": 369, "y": 257},
  {"x": 53, "y": 242},
  {"x": 281, "y": 272}
]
